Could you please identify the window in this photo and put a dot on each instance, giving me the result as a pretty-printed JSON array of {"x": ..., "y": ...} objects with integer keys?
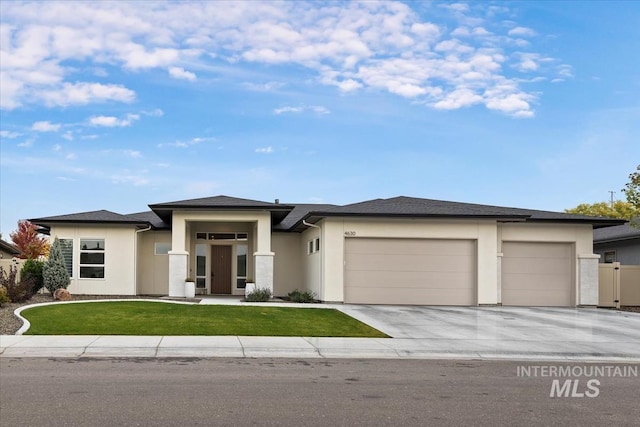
[
  {"x": 313, "y": 246},
  {"x": 162, "y": 248},
  {"x": 201, "y": 236},
  {"x": 201, "y": 266},
  {"x": 66, "y": 245},
  {"x": 241, "y": 266},
  {"x": 609, "y": 257},
  {"x": 92, "y": 258}
]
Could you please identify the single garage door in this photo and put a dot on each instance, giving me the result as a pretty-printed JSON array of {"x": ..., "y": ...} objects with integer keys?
[
  {"x": 537, "y": 274},
  {"x": 410, "y": 271}
]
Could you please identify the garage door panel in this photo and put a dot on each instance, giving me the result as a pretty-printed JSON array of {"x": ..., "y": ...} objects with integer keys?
[
  {"x": 537, "y": 273},
  {"x": 408, "y": 279},
  {"x": 410, "y": 271},
  {"x": 411, "y": 296},
  {"x": 435, "y": 247},
  {"x": 380, "y": 262},
  {"x": 543, "y": 266},
  {"x": 538, "y": 250}
]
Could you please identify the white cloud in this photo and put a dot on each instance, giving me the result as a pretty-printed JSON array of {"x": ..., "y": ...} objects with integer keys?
[
  {"x": 26, "y": 143},
  {"x": 153, "y": 113},
  {"x": 83, "y": 93},
  {"x": 68, "y": 135},
  {"x": 265, "y": 150},
  {"x": 127, "y": 178},
  {"x": 70, "y": 156},
  {"x": 522, "y": 32},
  {"x": 263, "y": 87},
  {"x": 112, "y": 121},
  {"x": 133, "y": 154},
  {"x": 318, "y": 109},
  {"x": 9, "y": 134},
  {"x": 352, "y": 46},
  {"x": 182, "y": 74},
  {"x": 188, "y": 143},
  {"x": 57, "y": 147},
  {"x": 45, "y": 126}
]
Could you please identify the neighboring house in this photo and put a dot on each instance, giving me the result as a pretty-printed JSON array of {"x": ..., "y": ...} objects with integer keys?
[
  {"x": 386, "y": 251},
  {"x": 7, "y": 250},
  {"x": 618, "y": 244}
]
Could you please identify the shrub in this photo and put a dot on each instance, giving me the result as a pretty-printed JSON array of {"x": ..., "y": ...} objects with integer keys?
[
  {"x": 3, "y": 296},
  {"x": 32, "y": 269},
  {"x": 54, "y": 270},
  {"x": 302, "y": 296},
  {"x": 15, "y": 291},
  {"x": 259, "y": 295}
]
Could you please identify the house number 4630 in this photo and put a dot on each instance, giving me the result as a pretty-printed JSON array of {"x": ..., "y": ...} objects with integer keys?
[{"x": 350, "y": 233}]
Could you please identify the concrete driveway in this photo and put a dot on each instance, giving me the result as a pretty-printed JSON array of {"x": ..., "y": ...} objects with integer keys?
[{"x": 514, "y": 332}]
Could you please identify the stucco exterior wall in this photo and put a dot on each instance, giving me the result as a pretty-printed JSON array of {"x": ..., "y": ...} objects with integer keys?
[
  {"x": 311, "y": 262},
  {"x": 119, "y": 258},
  {"x": 152, "y": 270},
  {"x": 287, "y": 268},
  {"x": 581, "y": 236},
  {"x": 484, "y": 232}
]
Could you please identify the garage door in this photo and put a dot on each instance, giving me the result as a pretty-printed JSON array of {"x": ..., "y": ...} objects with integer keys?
[
  {"x": 410, "y": 271},
  {"x": 537, "y": 274}
]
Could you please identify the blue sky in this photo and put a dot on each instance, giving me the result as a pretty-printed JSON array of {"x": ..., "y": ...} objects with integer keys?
[{"x": 119, "y": 105}]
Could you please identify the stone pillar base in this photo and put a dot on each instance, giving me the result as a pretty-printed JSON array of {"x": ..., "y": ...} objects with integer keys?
[
  {"x": 264, "y": 270},
  {"x": 178, "y": 271},
  {"x": 588, "y": 279}
]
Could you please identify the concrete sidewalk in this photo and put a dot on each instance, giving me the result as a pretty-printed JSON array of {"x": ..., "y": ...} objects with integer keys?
[{"x": 419, "y": 333}]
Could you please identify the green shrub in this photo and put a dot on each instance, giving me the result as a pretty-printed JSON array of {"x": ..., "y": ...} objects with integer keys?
[
  {"x": 259, "y": 295},
  {"x": 54, "y": 270},
  {"x": 32, "y": 269},
  {"x": 16, "y": 291},
  {"x": 3, "y": 296},
  {"x": 302, "y": 296}
]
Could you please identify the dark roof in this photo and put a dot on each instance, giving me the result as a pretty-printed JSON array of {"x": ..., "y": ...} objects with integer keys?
[
  {"x": 278, "y": 211},
  {"x": 151, "y": 218},
  {"x": 299, "y": 211},
  {"x": 91, "y": 217},
  {"x": 426, "y": 208},
  {"x": 290, "y": 217},
  {"x": 617, "y": 233},
  {"x": 8, "y": 247}
]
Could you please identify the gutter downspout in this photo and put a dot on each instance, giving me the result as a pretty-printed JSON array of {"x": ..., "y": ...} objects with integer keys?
[
  {"x": 135, "y": 250},
  {"x": 321, "y": 284}
]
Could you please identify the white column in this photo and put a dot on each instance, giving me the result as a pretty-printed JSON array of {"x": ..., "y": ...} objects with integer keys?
[
  {"x": 178, "y": 257},
  {"x": 263, "y": 256},
  {"x": 588, "y": 279}
]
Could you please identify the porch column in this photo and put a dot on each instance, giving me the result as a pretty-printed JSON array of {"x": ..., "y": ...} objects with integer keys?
[
  {"x": 263, "y": 256},
  {"x": 178, "y": 258},
  {"x": 588, "y": 289}
]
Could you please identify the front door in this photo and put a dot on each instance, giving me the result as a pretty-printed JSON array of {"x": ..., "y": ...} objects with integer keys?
[{"x": 220, "y": 269}]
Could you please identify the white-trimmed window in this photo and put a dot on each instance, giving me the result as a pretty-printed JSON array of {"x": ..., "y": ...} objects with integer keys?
[
  {"x": 162, "y": 248},
  {"x": 66, "y": 246},
  {"x": 609, "y": 257},
  {"x": 313, "y": 246},
  {"x": 92, "y": 258}
]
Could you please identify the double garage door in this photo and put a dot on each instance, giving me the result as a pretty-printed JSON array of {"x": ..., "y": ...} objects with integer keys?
[
  {"x": 410, "y": 271},
  {"x": 443, "y": 272}
]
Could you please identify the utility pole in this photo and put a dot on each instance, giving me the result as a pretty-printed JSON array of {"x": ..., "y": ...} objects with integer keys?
[{"x": 612, "y": 193}]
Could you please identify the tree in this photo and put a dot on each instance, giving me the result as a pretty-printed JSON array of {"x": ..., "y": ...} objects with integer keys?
[
  {"x": 632, "y": 189},
  {"x": 28, "y": 242},
  {"x": 620, "y": 210},
  {"x": 54, "y": 270}
]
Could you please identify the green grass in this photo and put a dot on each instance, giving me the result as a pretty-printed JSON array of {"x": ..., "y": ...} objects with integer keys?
[{"x": 156, "y": 318}]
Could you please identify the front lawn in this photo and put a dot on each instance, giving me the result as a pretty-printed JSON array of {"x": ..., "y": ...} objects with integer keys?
[{"x": 157, "y": 318}]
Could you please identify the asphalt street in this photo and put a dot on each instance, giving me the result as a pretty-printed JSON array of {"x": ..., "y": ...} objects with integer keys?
[{"x": 238, "y": 392}]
